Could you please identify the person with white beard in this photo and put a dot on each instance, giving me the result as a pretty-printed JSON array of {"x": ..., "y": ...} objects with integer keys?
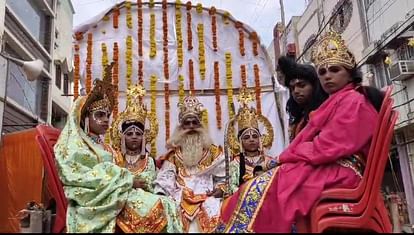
[{"x": 193, "y": 170}]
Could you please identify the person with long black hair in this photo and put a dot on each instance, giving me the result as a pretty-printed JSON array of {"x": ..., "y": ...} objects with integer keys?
[{"x": 306, "y": 93}]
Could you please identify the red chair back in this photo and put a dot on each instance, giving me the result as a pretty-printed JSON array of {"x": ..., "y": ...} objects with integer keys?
[{"x": 46, "y": 138}]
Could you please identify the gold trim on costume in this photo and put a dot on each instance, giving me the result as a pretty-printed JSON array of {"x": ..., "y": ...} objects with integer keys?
[{"x": 130, "y": 222}]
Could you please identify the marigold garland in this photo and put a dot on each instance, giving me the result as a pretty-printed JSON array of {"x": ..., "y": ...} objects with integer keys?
[
  {"x": 115, "y": 18},
  {"x": 89, "y": 64},
  {"x": 212, "y": 13},
  {"x": 229, "y": 82},
  {"x": 217, "y": 93},
  {"x": 201, "y": 51},
  {"x": 128, "y": 14},
  {"x": 255, "y": 41},
  {"x": 189, "y": 31},
  {"x": 191, "y": 75},
  {"x": 239, "y": 27},
  {"x": 181, "y": 90},
  {"x": 140, "y": 28},
  {"x": 128, "y": 60},
  {"x": 115, "y": 76},
  {"x": 199, "y": 8},
  {"x": 141, "y": 72},
  {"x": 151, "y": 3},
  {"x": 167, "y": 111},
  {"x": 104, "y": 57},
  {"x": 178, "y": 19},
  {"x": 204, "y": 118},
  {"x": 76, "y": 75},
  {"x": 165, "y": 38},
  {"x": 243, "y": 75},
  {"x": 153, "y": 90},
  {"x": 153, "y": 43},
  {"x": 226, "y": 17},
  {"x": 79, "y": 36},
  {"x": 257, "y": 89}
]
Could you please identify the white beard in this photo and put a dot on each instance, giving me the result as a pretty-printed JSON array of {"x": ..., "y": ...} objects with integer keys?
[{"x": 192, "y": 145}]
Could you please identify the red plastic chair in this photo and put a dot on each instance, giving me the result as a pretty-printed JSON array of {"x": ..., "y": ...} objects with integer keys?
[
  {"x": 354, "y": 200},
  {"x": 46, "y": 138},
  {"x": 367, "y": 219}
]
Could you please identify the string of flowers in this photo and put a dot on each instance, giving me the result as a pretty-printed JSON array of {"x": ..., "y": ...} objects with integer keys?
[
  {"x": 212, "y": 13},
  {"x": 199, "y": 8},
  {"x": 140, "y": 72},
  {"x": 243, "y": 75},
  {"x": 217, "y": 93},
  {"x": 153, "y": 90},
  {"x": 226, "y": 17},
  {"x": 115, "y": 18},
  {"x": 204, "y": 118},
  {"x": 239, "y": 27},
  {"x": 76, "y": 75},
  {"x": 201, "y": 51},
  {"x": 189, "y": 31},
  {"x": 257, "y": 89},
  {"x": 79, "y": 36},
  {"x": 191, "y": 75},
  {"x": 229, "y": 82},
  {"x": 115, "y": 76},
  {"x": 181, "y": 91},
  {"x": 167, "y": 111},
  {"x": 104, "y": 58},
  {"x": 128, "y": 58},
  {"x": 153, "y": 43},
  {"x": 180, "y": 53},
  {"x": 140, "y": 28},
  {"x": 89, "y": 64},
  {"x": 255, "y": 41},
  {"x": 151, "y": 3},
  {"x": 165, "y": 38},
  {"x": 128, "y": 14}
]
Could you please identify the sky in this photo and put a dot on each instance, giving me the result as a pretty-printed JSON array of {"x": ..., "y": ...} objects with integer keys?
[{"x": 261, "y": 15}]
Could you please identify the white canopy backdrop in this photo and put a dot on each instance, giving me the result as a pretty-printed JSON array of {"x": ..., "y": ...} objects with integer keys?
[{"x": 100, "y": 30}]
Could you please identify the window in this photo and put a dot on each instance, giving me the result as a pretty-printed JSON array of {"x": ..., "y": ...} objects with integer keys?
[
  {"x": 382, "y": 76},
  {"x": 33, "y": 18},
  {"x": 405, "y": 52},
  {"x": 65, "y": 84},
  {"x": 341, "y": 16},
  {"x": 58, "y": 77}
]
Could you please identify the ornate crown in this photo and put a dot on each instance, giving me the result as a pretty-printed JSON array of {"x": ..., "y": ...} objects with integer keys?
[
  {"x": 102, "y": 94},
  {"x": 331, "y": 49},
  {"x": 248, "y": 118},
  {"x": 190, "y": 107},
  {"x": 135, "y": 111}
]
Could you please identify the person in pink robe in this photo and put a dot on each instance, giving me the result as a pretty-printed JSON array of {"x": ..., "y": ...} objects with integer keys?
[{"x": 328, "y": 153}]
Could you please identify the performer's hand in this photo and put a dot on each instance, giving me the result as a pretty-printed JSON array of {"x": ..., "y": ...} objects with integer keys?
[
  {"x": 138, "y": 183},
  {"x": 217, "y": 193}
]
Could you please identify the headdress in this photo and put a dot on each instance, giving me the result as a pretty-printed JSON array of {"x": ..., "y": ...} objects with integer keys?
[
  {"x": 247, "y": 118},
  {"x": 331, "y": 49},
  {"x": 135, "y": 111},
  {"x": 190, "y": 107},
  {"x": 101, "y": 96}
]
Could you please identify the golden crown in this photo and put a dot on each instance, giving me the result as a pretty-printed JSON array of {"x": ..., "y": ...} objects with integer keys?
[
  {"x": 102, "y": 94},
  {"x": 190, "y": 107},
  {"x": 137, "y": 111},
  {"x": 331, "y": 49},
  {"x": 248, "y": 118}
]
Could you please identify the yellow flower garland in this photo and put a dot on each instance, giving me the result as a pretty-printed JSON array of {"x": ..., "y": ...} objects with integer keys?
[
  {"x": 151, "y": 3},
  {"x": 104, "y": 57},
  {"x": 226, "y": 17},
  {"x": 204, "y": 118},
  {"x": 178, "y": 17},
  {"x": 201, "y": 51},
  {"x": 181, "y": 91},
  {"x": 229, "y": 82},
  {"x": 153, "y": 43},
  {"x": 153, "y": 90},
  {"x": 128, "y": 14},
  {"x": 128, "y": 57},
  {"x": 199, "y": 8}
]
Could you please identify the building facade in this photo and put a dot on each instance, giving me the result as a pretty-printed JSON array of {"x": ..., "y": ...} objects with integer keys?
[{"x": 35, "y": 30}]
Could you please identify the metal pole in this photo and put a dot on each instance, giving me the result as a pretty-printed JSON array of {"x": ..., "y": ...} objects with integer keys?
[{"x": 5, "y": 94}]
